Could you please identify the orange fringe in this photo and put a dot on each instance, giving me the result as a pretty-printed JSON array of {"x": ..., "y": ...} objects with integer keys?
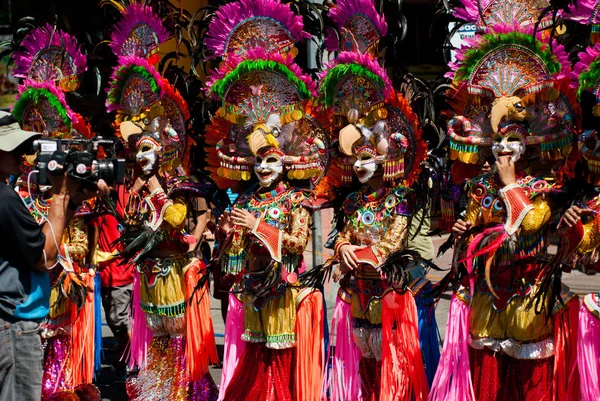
[
  {"x": 402, "y": 373},
  {"x": 310, "y": 351},
  {"x": 82, "y": 338},
  {"x": 201, "y": 348},
  {"x": 565, "y": 386}
]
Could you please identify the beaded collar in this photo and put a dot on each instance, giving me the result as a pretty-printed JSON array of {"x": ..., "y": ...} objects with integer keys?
[{"x": 278, "y": 190}]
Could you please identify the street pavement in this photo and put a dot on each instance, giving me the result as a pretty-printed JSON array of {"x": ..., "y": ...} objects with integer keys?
[{"x": 578, "y": 282}]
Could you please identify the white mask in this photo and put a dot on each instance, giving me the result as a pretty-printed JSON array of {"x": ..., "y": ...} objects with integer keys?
[
  {"x": 147, "y": 155},
  {"x": 268, "y": 169},
  {"x": 365, "y": 166},
  {"x": 509, "y": 143}
]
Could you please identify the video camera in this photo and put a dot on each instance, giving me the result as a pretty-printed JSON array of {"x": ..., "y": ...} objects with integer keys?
[{"x": 79, "y": 159}]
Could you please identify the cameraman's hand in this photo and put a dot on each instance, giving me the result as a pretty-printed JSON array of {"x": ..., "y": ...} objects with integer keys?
[
  {"x": 139, "y": 183},
  {"x": 80, "y": 195},
  {"x": 153, "y": 183}
]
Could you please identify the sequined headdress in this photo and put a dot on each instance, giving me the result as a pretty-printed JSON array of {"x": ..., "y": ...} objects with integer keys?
[
  {"x": 513, "y": 15},
  {"x": 139, "y": 33},
  {"x": 50, "y": 63},
  {"x": 511, "y": 81},
  {"x": 264, "y": 95},
  {"x": 367, "y": 113}
]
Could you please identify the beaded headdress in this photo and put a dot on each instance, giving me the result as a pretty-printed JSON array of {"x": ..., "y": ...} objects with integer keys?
[
  {"x": 264, "y": 95},
  {"x": 367, "y": 114},
  {"x": 49, "y": 55},
  {"x": 506, "y": 78},
  {"x": 516, "y": 15},
  {"x": 139, "y": 33}
]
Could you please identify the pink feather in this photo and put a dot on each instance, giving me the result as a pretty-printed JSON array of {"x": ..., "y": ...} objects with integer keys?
[
  {"x": 141, "y": 335},
  {"x": 55, "y": 90},
  {"x": 344, "y": 10},
  {"x": 134, "y": 16},
  {"x": 588, "y": 353},
  {"x": 230, "y": 16},
  {"x": 43, "y": 39},
  {"x": 234, "y": 345},
  {"x": 490, "y": 248}
]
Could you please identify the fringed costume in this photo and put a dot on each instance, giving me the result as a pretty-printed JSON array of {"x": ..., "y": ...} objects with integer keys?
[
  {"x": 511, "y": 328},
  {"x": 172, "y": 334},
  {"x": 375, "y": 325},
  {"x": 50, "y": 63},
  {"x": 274, "y": 347}
]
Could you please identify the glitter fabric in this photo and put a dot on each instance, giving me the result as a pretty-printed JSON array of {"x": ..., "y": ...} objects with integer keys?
[
  {"x": 263, "y": 374},
  {"x": 370, "y": 375},
  {"x": 57, "y": 366},
  {"x": 164, "y": 377}
]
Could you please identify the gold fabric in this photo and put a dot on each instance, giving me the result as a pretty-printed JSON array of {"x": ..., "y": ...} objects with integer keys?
[
  {"x": 537, "y": 217},
  {"x": 394, "y": 238},
  {"x": 275, "y": 322},
  {"x": 591, "y": 236},
  {"x": 515, "y": 321},
  {"x": 175, "y": 214},
  {"x": 75, "y": 236},
  {"x": 298, "y": 235},
  {"x": 169, "y": 290}
]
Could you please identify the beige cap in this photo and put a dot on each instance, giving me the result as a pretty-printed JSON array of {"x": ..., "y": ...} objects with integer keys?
[{"x": 11, "y": 135}]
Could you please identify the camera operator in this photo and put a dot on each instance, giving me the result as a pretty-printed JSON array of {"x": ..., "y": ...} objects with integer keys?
[{"x": 27, "y": 251}]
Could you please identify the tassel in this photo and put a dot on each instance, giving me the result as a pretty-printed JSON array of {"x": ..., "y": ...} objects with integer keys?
[
  {"x": 201, "y": 349},
  {"x": 141, "y": 335},
  {"x": 428, "y": 334},
  {"x": 234, "y": 345},
  {"x": 310, "y": 347},
  {"x": 98, "y": 349},
  {"x": 344, "y": 381},
  {"x": 565, "y": 385},
  {"x": 588, "y": 354},
  {"x": 453, "y": 380},
  {"x": 82, "y": 338},
  {"x": 403, "y": 375}
]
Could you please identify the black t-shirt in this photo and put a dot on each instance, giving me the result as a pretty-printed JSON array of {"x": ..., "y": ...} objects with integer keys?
[{"x": 24, "y": 292}]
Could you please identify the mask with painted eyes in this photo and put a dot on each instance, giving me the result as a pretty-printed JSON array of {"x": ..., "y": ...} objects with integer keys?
[
  {"x": 268, "y": 168},
  {"x": 148, "y": 154},
  {"x": 365, "y": 164},
  {"x": 508, "y": 144}
]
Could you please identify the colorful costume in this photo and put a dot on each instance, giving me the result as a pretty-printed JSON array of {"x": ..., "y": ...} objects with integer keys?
[
  {"x": 274, "y": 329},
  {"x": 511, "y": 93},
  {"x": 50, "y": 65},
  {"x": 585, "y": 238},
  {"x": 377, "y": 354},
  {"x": 172, "y": 334}
]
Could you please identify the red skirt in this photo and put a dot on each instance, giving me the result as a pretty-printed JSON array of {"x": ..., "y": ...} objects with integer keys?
[
  {"x": 263, "y": 374},
  {"x": 498, "y": 377}
]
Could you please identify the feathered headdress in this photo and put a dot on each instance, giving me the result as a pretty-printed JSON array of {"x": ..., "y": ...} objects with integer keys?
[
  {"x": 249, "y": 24},
  {"x": 138, "y": 34},
  {"x": 588, "y": 73},
  {"x": 359, "y": 27},
  {"x": 50, "y": 55},
  {"x": 41, "y": 107},
  {"x": 503, "y": 78},
  {"x": 494, "y": 15},
  {"x": 367, "y": 114}
]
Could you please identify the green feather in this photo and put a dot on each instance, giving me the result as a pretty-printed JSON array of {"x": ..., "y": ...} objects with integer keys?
[
  {"x": 472, "y": 57},
  {"x": 338, "y": 72},
  {"x": 589, "y": 78},
  {"x": 34, "y": 95},
  {"x": 123, "y": 74},
  {"x": 221, "y": 86}
]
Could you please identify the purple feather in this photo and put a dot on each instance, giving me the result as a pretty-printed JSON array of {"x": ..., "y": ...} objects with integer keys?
[
  {"x": 346, "y": 9},
  {"x": 38, "y": 61},
  {"x": 135, "y": 16},
  {"x": 585, "y": 12},
  {"x": 271, "y": 13},
  {"x": 586, "y": 58}
]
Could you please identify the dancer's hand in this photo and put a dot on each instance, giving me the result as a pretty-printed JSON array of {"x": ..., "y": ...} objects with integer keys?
[
  {"x": 339, "y": 271},
  {"x": 243, "y": 218},
  {"x": 506, "y": 170},
  {"x": 460, "y": 227},
  {"x": 573, "y": 215},
  {"x": 225, "y": 222},
  {"x": 348, "y": 257}
]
